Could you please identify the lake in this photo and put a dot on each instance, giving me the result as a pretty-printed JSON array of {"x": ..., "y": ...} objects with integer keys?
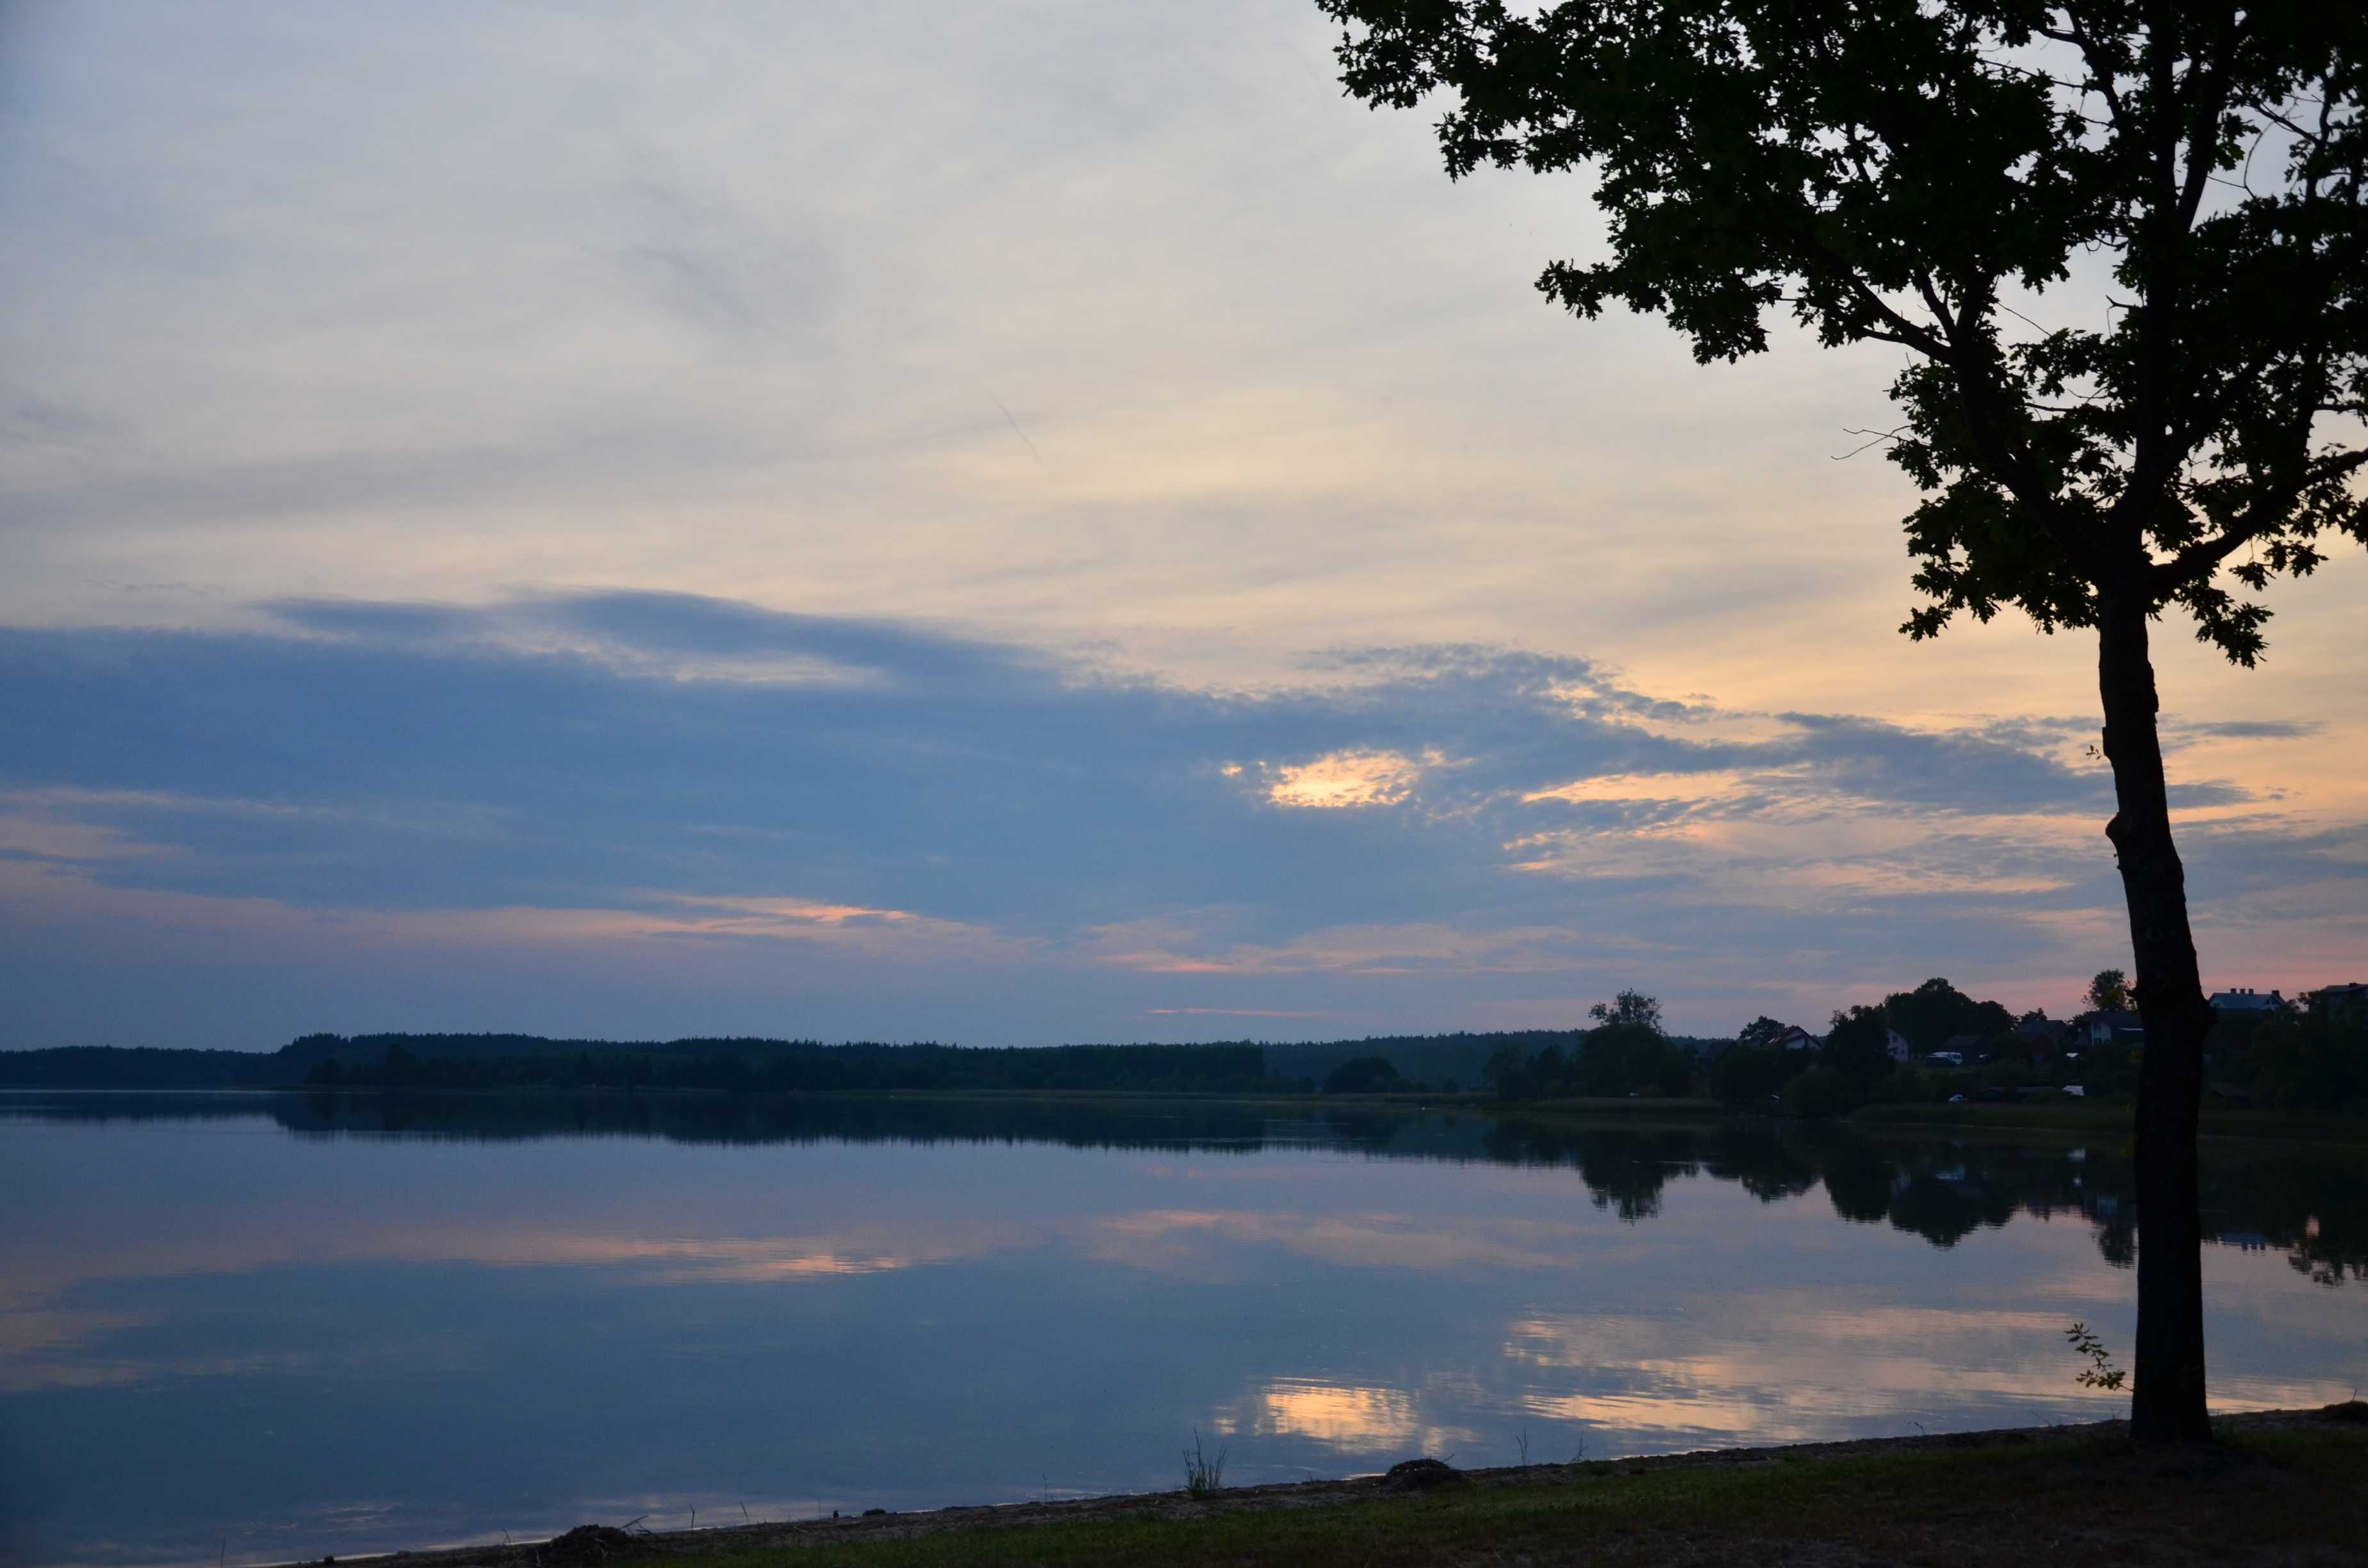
[{"x": 259, "y": 1328}]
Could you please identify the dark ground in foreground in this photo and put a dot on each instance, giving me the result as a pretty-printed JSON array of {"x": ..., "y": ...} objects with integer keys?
[{"x": 2285, "y": 1488}]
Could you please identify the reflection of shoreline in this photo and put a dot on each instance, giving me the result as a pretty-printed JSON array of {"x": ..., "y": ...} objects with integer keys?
[
  {"x": 1444, "y": 1286},
  {"x": 2310, "y": 1203},
  {"x": 2078, "y": 1121}
]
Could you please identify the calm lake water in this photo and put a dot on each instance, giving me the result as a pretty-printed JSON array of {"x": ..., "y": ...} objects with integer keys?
[{"x": 265, "y": 1328}]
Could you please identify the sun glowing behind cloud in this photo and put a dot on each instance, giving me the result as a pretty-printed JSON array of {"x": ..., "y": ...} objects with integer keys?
[{"x": 1344, "y": 778}]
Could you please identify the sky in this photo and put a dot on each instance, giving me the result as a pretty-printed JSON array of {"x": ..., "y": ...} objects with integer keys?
[{"x": 1007, "y": 524}]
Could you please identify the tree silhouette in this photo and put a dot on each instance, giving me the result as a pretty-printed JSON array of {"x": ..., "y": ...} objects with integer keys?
[
  {"x": 1629, "y": 1008},
  {"x": 1936, "y": 1012},
  {"x": 1920, "y": 173},
  {"x": 1859, "y": 1044}
]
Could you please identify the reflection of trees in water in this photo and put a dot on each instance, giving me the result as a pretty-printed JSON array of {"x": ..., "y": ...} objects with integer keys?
[
  {"x": 1624, "y": 1167},
  {"x": 1758, "y": 1156},
  {"x": 2312, "y": 1205},
  {"x": 1860, "y": 1179}
]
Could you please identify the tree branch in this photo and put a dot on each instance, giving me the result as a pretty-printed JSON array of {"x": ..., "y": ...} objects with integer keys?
[
  {"x": 1986, "y": 402},
  {"x": 2159, "y": 447},
  {"x": 2103, "y": 70},
  {"x": 2208, "y": 84},
  {"x": 2260, "y": 519}
]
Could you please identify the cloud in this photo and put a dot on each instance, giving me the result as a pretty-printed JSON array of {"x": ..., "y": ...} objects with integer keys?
[
  {"x": 423, "y": 429},
  {"x": 1228, "y": 1013},
  {"x": 2243, "y": 729},
  {"x": 645, "y": 769},
  {"x": 1344, "y": 779}
]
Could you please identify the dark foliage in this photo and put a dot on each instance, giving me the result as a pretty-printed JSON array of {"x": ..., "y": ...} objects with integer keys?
[
  {"x": 1858, "y": 1046},
  {"x": 1434, "y": 1060},
  {"x": 1630, "y": 1007},
  {"x": 1896, "y": 172},
  {"x": 1821, "y": 1091},
  {"x": 1627, "y": 1055},
  {"x": 805, "y": 1067},
  {"x": 1751, "y": 1075},
  {"x": 2307, "y": 1064},
  {"x": 138, "y": 1067},
  {"x": 2109, "y": 992},
  {"x": 1937, "y": 1012},
  {"x": 1362, "y": 1076}
]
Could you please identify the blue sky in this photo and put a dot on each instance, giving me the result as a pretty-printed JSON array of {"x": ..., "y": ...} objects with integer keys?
[{"x": 1035, "y": 523}]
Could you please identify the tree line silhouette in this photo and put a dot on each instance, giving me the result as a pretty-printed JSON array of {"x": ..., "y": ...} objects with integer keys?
[{"x": 2292, "y": 1061}]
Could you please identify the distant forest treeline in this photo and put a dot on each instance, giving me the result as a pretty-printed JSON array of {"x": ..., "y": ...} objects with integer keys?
[
  {"x": 142, "y": 1067},
  {"x": 745, "y": 1066},
  {"x": 1445, "y": 1061}
]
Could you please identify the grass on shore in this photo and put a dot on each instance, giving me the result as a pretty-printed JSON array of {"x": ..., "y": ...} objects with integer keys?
[{"x": 2289, "y": 1496}]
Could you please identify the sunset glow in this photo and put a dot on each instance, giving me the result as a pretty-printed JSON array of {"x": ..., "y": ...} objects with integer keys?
[{"x": 1035, "y": 567}]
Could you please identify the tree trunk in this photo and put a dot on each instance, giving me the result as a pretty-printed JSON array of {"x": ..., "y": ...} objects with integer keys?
[{"x": 2169, "y": 1403}]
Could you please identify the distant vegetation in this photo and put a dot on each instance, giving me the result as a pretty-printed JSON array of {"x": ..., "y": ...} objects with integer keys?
[
  {"x": 2299, "y": 1063},
  {"x": 745, "y": 1066},
  {"x": 1410, "y": 1062},
  {"x": 2285, "y": 1060},
  {"x": 1949, "y": 1046},
  {"x": 111, "y": 1067}
]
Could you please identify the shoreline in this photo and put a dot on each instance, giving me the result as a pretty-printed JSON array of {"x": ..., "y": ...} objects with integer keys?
[{"x": 1795, "y": 1463}]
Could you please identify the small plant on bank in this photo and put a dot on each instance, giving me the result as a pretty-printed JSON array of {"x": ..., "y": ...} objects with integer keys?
[
  {"x": 1203, "y": 1476},
  {"x": 2099, "y": 1373}
]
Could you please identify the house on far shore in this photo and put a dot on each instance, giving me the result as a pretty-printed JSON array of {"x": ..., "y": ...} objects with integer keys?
[
  {"x": 1963, "y": 1047},
  {"x": 1898, "y": 1046},
  {"x": 2112, "y": 1024},
  {"x": 1797, "y": 1038},
  {"x": 2035, "y": 1029},
  {"x": 2040, "y": 1038},
  {"x": 2247, "y": 1002},
  {"x": 2340, "y": 1004}
]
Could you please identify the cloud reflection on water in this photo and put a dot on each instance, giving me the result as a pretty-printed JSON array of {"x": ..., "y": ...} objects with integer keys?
[{"x": 1053, "y": 1296}]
